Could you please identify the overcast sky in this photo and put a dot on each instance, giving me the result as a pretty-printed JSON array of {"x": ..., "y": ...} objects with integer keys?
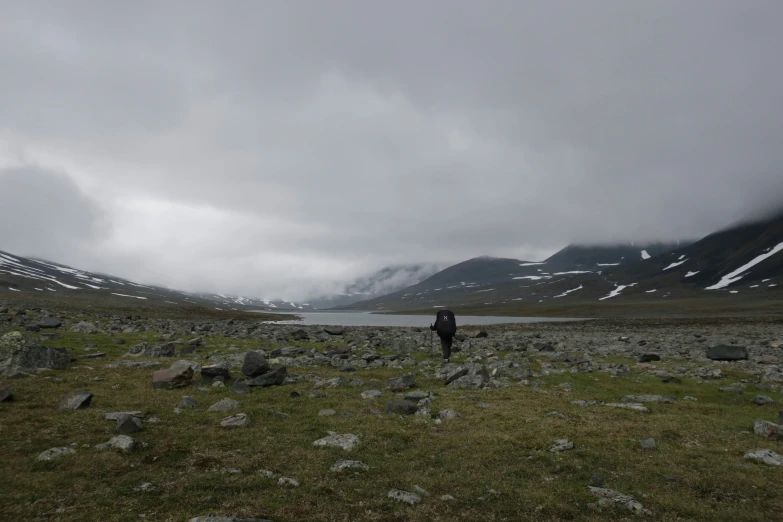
[{"x": 278, "y": 148}]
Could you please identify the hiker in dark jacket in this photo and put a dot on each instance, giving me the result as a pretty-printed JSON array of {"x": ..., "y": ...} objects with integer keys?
[{"x": 446, "y": 326}]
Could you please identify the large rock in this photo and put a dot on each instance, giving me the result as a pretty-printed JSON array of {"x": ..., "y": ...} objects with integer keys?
[
  {"x": 6, "y": 393},
  {"x": 121, "y": 443},
  {"x": 401, "y": 407},
  {"x": 334, "y": 330},
  {"x": 455, "y": 374},
  {"x": 224, "y": 405},
  {"x": 342, "y": 465},
  {"x": 55, "y": 453},
  {"x": 157, "y": 350},
  {"x": 727, "y": 352},
  {"x": 609, "y": 497},
  {"x": 171, "y": 378},
  {"x": 75, "y": 401},
  {"x": 766, "y": 456},
  {"x": 219, "y": 372},
  {"x": 346, "y": 441},
  {"x": 49, "y": 322},
  {"x": 470, "y": 382},
  {"x": 19, "y": 353},
  {"x": 400, "y": 384},
  {"x": 255, "y": 364},
  {"x": 240, "y": 420},
  {"x": 405, "y": 497},
  {"x": 85, "y": 328},
  {"x": 128, "y": 424},
  {"x": 271, "y": 378}
]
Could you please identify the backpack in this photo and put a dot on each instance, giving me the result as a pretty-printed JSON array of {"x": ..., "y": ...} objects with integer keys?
[{"x": 446, "y": 324}]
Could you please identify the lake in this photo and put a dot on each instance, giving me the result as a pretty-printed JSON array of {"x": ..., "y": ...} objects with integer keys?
[{"x": 371, "y": 319}]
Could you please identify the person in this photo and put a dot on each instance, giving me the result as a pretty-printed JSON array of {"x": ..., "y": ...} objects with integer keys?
[{"x": 446, "y": 326}]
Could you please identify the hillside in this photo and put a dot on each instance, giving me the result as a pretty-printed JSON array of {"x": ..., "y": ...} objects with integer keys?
[
  {"x": 744, "y": 261},
  {"x": 30, "y": 276}
]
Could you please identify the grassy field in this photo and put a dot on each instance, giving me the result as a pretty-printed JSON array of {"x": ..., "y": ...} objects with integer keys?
[{"x": 494, "y": 461}]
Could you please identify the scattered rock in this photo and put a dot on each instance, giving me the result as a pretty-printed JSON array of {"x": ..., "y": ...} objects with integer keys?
[
  {"x": 240, "y": 387},
  {"x": 762, "y": 400},
  {"x": 689, "y": 398},
  {"x": 334, "y": 330},
  {"x": 371, "y": 394},
  {"x": 764, "y": 428},
  {"x": 240, "y": 420},
  {"x": 120, "y": 442},
  {"x": 326, "y": 413},
  {"x": 404, "y": 496},
  {"x": 726, "y": 352},
  {"x": 561, "y": 445},
  {"x": 171, "y": 378},
  {"x": 85, "y": 328},
  {"x": 446, "y": 498},
  {"x": 766, "y": 456},
  {"x": 608, "y": 497},
  {"x": 75, "y": 401},
  {"x": 128, "y": 424},
  {"x": 401, "y": 407},
  {"x": 449, "y": 414},
  {"x": 671, "y": 378},
  {"x": 224, "y": 405},
  {"x": 597, "y": 481},
  {"x": 421, "y": 491},
  {"x": 628, "y": 405},
  {"x": 295, "y": 394},
  {"x": 6, "y": 393},
  {"x": 288, "y": 481},
  {"x": 55, "y": 453},
  {"x": 274, "y": 377},
  {"x": 649, "y": 357},
  {"x": 146, "y": 487},
  {"x": 400, "y": 384},
  {"x": 649, "y": 398},
  {"x": 186, "y": 402},
  {"x": 731, "y": 389},
  {"x": 255, "y": 364},
  {"x": 22, "y": 354},
  {"x": 455, "y": 374},
  {"x": 49, "y": 322},
  {"x": 648, "y": 443},
  {"x": 346, "y": 441},
  {"x": 215, "y": 372},
  {"x": 342, "y": 465},
  {"x": 117, "y": 414}
]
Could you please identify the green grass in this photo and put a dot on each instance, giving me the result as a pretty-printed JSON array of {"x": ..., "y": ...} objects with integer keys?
[{"x": 504, "y": 448}]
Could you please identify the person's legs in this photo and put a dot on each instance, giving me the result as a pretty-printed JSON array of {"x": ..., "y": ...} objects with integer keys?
[{"x": 445, "y": 344}]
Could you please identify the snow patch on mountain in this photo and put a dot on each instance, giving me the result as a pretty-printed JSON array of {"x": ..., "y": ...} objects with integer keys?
[
  {"x": 569, "y": 291},
  {"x": 675, "y": 264},
  {"x": 645, "y": 255},
  {"x": 739, "y": 273}
]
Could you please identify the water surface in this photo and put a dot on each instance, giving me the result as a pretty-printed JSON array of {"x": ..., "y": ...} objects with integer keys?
[{"x": 371, "y": 319}]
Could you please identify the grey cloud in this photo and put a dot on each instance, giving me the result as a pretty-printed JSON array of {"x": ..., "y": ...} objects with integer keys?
[
  {"x": 44, "y": 214},
  {"x": 354, "y": 134}
]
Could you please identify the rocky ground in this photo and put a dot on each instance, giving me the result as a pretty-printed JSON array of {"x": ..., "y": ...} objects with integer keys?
[{"x": 131, "y": 417}]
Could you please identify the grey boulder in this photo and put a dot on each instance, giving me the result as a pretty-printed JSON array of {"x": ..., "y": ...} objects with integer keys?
[
  {"x": 727, "y": 352},
  {"x": 75, "y": 401}
]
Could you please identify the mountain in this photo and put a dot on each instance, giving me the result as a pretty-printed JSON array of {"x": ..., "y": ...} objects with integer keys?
[
  {"x": 593, "y": 256},
  {"x": 21, "y": 274},
  {"x": 382, "y": 282},
  {"x": 745, "y": 259}
]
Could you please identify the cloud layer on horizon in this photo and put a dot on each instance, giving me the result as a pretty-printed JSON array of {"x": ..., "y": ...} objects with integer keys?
[{"x": 284, "y": 148}]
